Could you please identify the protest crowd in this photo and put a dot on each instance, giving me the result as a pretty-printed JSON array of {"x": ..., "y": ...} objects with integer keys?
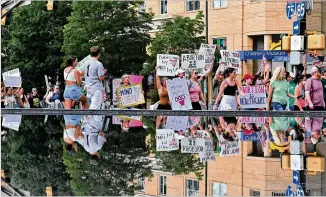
[{"x": 179, "y": 82}]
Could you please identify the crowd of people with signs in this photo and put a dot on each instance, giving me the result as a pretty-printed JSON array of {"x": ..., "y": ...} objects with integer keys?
[{"x": 180, "y": 84}]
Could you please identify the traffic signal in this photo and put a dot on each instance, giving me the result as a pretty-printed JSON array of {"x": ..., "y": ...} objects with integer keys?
[
  {"x": 3, "y": 20},
  {"x": 316, "y": 42},
  {"x": 50, "y": 5}
]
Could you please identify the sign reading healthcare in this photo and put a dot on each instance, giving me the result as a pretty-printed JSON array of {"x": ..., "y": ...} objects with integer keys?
[
  {"x": 192, "y": 62},
  {"x": 167, "y": 64},
  {"x": 131, "y": 95},
  {"x": 255, "y": 97},
  {"x": 179, "y": 94}
]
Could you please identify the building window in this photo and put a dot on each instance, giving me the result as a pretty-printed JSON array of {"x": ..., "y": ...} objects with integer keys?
[
  {"x": 219, "y": 189},
  {"x": 278, "y": 194},
  {"x": 193, "y": 5},
  {"x": 141, "y": 184},
  {"x": 192, "y": 187},
  {"x": 254, "y": 193},
  {"x": 220, "y": 3},
  {"x": 164, "y": 6},
  {"x": 162, "y": 185},
  {"x": 220, "y": 42}
]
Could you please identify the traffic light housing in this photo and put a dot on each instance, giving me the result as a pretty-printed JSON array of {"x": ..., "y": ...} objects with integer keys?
[
  {"x": 50, "y": 5},
  {"x": 3, "y": 20},
  {"x": 316, "y": 42},
  {"x": 286, "y": 43}
]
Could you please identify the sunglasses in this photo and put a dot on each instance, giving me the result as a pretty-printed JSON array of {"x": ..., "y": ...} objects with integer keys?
[{"x": 196, "y": 73}]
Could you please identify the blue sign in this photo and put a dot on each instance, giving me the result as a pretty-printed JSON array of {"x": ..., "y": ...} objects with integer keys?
[
  {"x": 290, "y": 9},
  {"x": 254, "y": 136},
  {"x": 281, "y": 59},
  {"x": 258, "y": 55},
  {"x": 296, "y": 27},
  {"x": 300, "y": 191},
  {"x": 296, "y": 177},
  {"x": 289, "y": 191},
  {"x": 300, "y": 9}
]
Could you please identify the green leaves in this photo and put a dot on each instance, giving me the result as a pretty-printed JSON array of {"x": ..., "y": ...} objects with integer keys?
[
  {"x": 116, "y": 26},
  {"x": 182, "y": 35}
]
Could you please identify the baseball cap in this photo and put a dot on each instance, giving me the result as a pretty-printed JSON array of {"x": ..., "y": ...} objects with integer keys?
[
  {"x": 314, "y": 140},
  {"x": 248, "y": 76},
  {"x": 179, "y": 71},
  {"x": 291, "y": 74},
  {"x": 34, "y": 89},
  {"x": 314, "y": 69}
]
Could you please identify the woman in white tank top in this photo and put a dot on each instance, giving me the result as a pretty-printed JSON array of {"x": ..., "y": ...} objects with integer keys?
[{"x": 73, "y": 79}]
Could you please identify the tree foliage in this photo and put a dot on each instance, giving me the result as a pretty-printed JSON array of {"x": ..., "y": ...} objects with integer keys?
[
  {"x": 33, "y": 156},
  {"x": 182, "y": 35},
  {"x": 174, "y": 161},
  {"x": 34, "y": 41},
  {"x": 116, "y": 26},
  {"x": 124, "y": 159}
]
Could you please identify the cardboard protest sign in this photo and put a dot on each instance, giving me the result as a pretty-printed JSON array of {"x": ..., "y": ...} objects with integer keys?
[
  {"x": 116, "y": 83},
  {"x": 208, "y": 154},
  {"x": 208, "y": 51},
  {"x": 256, "y": 97},
  {"x": 135, "y": 121},
  {"x": 167, "y": 64},
  {"x": 131, "y": 95},
  {"x": 82, "y": 65},
  {"x": 166, "y": 140},
  {"x": 260, "y": 120},
  {"x": 177, "y": 123},
  {"x": 192, "y": 145},
  {"x": 190, "y": 62},
  {"x": 12, "y": 81},
  {"x": 230, "y": 148},
  {"x": 230, "y": 60},
  {"x": 178, "y": 94},
  {"x": 12, "y": 121},
  {"x": 13, "y": 73}
]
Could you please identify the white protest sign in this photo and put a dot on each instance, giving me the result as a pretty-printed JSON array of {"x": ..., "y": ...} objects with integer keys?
[
  {"x": 177, "y": 123},
  {"x": 230, "y": 60},
  {"x": 167, "y": 64},
  {"x": 11, "y": 121},
  {"x": 131, "y": 95},
  {"x": 13, "y": 73},
  {"x": 192, "y": 145},
  {"x": 81, "y": 66},
  {"x": 256, "y": 97},
  {"x": 12, "y": 81},
  {"x": 166, "y": 140},
  {"x": 117, "y": 119},
  {"x": 47, "y": 82},
  {"x": 229, "y": 148},
  {"x": 208, "y": 154},
  {"x": 116, "y": 83},
  {"x": 179, "y": 94},
  {"x": 248, "y": 119},
  {"x": 190, "y": 62},
  {"x": 208, "y": 51}
]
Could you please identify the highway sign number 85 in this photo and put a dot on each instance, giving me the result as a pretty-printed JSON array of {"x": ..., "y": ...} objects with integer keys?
[{"x": 296, "y": 7}]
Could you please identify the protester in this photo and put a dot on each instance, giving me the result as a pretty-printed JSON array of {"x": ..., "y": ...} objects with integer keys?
[
  {"x": 278, "y": 91},
  {"x": 73, "y": 79},
  {"x": 248, "y": 79},
  {"x": 217, "y": 81},
  {"x": 230, "y": 126},
  {"x": 94, "y": 77},
  {"x": 72, "y": 132},
  {"x": 290, "y": 79},
  {"x": 35, "y": 99},
  {"x": 3, "y": 95},
  {"x": 180, "y": 73},
  {"x": 164, "y": 102},
  {"x": 299, "y": 92},
  {"x": 228, "y": 90},
  {"x": 13, "y": 98},
  {"x": 314, "y": 91},
  {"x": 323, "y": 81},
  {"x": 195, "y": 91}
]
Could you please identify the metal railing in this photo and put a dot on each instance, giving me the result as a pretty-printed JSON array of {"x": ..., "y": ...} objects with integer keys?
[{"x": 145, "y": 112}]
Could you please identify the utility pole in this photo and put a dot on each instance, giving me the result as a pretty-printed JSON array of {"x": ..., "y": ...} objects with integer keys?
[{"x": 207, "y": 99}]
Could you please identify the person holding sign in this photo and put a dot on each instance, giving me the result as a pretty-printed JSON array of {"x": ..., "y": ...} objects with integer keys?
[
  {"x": 278, "y": 91},
  {"x": 73, "y": 79},
  {"x": 94, "y": 78},
  {"x": 195, "y": 91},
  {"x": 163, "y": 93},
  {"x": 228, "y": 90}
]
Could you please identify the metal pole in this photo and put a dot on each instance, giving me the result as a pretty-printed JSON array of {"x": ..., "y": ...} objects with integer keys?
[{"x": 207, "y": 105}]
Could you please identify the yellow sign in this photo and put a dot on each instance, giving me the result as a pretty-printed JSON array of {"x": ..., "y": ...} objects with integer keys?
[{"x": 131, "y": 95}]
